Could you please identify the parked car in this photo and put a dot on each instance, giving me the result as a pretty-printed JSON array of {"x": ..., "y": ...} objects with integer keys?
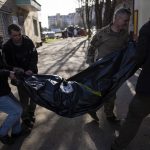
[
  {"x": 49, "y": 34},
  {"x": 58, "y": 35}
]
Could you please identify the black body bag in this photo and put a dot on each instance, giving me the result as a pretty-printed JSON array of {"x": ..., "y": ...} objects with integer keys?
[{"x": 85, "y": 91}]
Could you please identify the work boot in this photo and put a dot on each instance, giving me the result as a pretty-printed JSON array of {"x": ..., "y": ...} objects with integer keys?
[
  {"x": 94, "y": 115},
  {"x": 113, "y": 119},
  {"x": 116, "y": 149},
  {"x": 27, "y": 123},
  {"x": 32, "y": 119}
]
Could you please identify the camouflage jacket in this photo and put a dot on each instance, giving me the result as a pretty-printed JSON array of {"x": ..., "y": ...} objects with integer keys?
[{"x": 106, "y": 41}]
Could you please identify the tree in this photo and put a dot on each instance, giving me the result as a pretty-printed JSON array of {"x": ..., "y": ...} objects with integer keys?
[
  {"x": 98, "y": 13},
  {"x": 88, "y": 23},
  {"x": 87, "y": 9},
  {"x": 81, "y": 12},
  {"x": 103, "y": 18},
  {"x": 109, "y": 11}
]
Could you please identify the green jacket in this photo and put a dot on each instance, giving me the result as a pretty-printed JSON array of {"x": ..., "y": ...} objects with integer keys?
[{"x": 106, "y": 41}]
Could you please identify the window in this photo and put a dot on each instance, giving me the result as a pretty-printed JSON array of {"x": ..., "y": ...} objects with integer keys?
[
  {"x": 136, "y": 22},
  {"x": 35, "y": 27},
  {"x": 5, "y": 20}
]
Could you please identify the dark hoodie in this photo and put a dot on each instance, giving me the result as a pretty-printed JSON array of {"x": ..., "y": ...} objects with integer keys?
[
  {"x": 143, "y": 59},
  {"x": 4, "y": 74},
  {"x": 23, "y": 56}
]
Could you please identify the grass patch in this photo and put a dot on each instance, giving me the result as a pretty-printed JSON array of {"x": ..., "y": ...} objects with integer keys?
[{"x": 50, "y": 40}]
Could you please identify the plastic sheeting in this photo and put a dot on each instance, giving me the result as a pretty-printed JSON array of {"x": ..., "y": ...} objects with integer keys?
[{"x": 85, "y": 91}]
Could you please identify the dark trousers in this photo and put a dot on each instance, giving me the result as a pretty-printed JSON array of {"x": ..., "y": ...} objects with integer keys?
[
  {"x": 27, "y": 104},
  {"x": 109, "y": 106},
  {"x": 139, "y": 108}
]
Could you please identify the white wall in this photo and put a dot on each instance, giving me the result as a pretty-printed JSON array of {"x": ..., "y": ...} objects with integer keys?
[
  {"x": 29, "y": 28},
  {"x": 143, "y": 7}
]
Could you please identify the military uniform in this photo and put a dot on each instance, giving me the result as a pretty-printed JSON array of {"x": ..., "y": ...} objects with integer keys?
[{"x": 104, "y": 42}]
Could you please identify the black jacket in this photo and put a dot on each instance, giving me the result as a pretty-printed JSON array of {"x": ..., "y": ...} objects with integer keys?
[
  {"x": 4, "y": 86},
  {"x": 24, "y": 56},
  {"x": 143, "y": 59}
]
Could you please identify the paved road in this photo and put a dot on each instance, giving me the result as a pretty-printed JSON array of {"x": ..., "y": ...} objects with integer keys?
[{"x": 52, "y": 132}]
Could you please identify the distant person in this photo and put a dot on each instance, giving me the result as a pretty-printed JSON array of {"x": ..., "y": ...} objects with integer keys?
[
  {"x": 20, "y": 53},
  {"x": 139, "y": 107},
  {"x": 75, "y": 32},
  {"x": 110, "y": 38},
  {"x": 64, "y": 33}
]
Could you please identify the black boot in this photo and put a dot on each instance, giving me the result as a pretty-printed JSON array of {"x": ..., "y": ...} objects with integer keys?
[
  {"x": 6, "y": 140},
  {"x": 113, "y": 119},
  {"x": 23, "y": 132},
  {"x": 27, "y": 123}
]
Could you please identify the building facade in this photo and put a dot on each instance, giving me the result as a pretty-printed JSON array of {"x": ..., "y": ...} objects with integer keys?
[
  {"x": 63, "y": 21},
  {"x": 141, "y": 13},
  {"x": 21, "y": 12}
]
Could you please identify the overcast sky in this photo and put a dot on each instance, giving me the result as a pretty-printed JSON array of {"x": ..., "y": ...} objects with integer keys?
[{"x": 51, "y": 7}]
